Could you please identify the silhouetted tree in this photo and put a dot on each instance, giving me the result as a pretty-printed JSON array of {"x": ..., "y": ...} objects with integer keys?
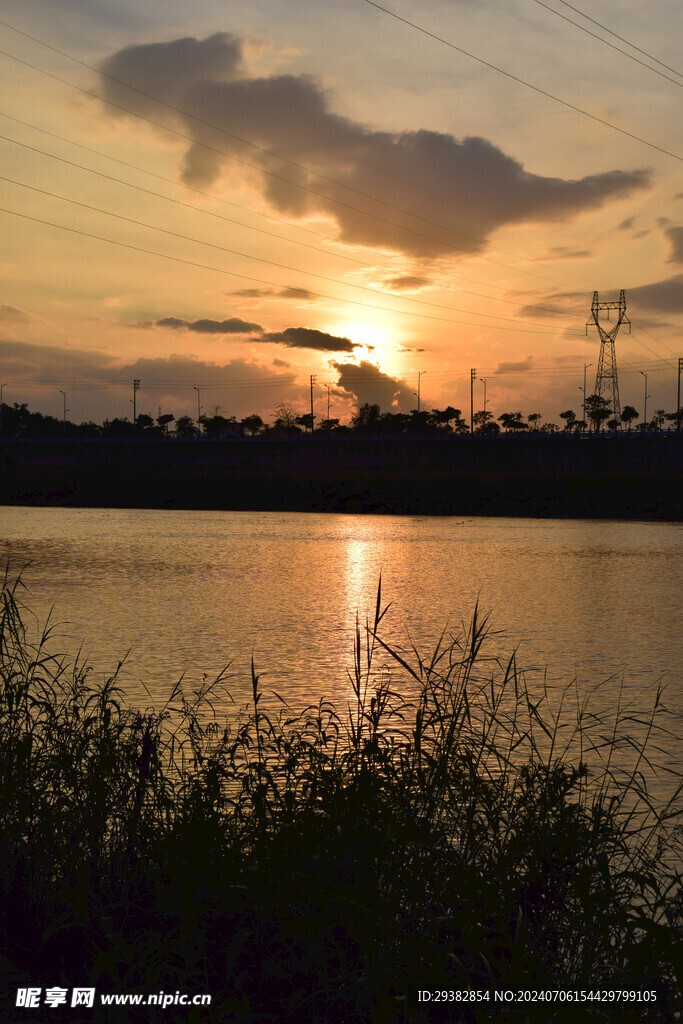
[
  {"x": 328, "y": 425},
  {"x": 628, "y": 415},
  {"x": 118, "y": 427},
  {"x": 367, "y": 419},
  {"x": 285, "y": 420},
  {"x": 512, "y": 421},
  {"x": 598, "y": 410},
  {"x": 163, "y": 421},
  {"x": 252, "y": 425},
  {"x": 534, "y": 419},
  {"x": 484, "y": 423},
  {"x": 570, "y": 420},
  {"x": 185, "y": 426},
  {"x": 658, "y": 418},
  {"x": 144, "y": 423}
]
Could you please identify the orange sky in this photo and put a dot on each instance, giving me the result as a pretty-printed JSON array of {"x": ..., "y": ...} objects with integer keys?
[{"x": 235, "y": 197}]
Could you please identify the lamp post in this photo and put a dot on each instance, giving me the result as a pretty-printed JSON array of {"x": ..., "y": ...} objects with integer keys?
[
  {"x": 583, "y": 418},
  {"x": 199, "y": 409},
  {"x": 473, "y": 377},
  {"x": 63, "y": 393},
  {"x": 136, "y": 388},
  {"x": 420, "y": 374},
  {"x": 483, "y": 426},
  {"x": 645, "y": 401},
  {"x": 4, "y": 385}
]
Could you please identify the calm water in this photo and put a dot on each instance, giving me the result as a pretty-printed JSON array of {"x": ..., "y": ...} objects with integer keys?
[{"x": 190, "y": 592}]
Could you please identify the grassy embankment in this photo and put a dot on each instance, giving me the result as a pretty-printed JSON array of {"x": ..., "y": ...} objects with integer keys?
[{"x": 326, "y": 866}]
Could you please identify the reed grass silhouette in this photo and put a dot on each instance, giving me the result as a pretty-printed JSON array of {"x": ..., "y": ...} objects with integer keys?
[{"x": 449, "y": 830}]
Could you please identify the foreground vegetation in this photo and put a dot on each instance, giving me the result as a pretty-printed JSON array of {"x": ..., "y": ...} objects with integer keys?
[{"x": 326, "y": 865}]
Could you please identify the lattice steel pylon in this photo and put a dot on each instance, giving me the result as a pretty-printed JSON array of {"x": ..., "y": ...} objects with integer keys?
[{"x": 606, "y": 380}]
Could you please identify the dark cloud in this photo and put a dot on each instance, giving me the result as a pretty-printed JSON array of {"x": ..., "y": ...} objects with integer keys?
[
  {"x": 281, "y": 362},
  {"x": 268, "y": 293},
  {"x": 627, "y": 224},
  {"x": 307, "y": 337},
  {"x": 50, "y": 364},
  {"x": 465, "y": 185},
  {"x": 675, "y": 236},
  {"x": 366, "y": 383},
  {"x": 232, "y": 326},
  {"x": 253, "y": 293},
  {"x": 565, "y": 252},
  {"x": 661, "y": 296},
  {"x": 524, "y": 364},
  {"x": 664, "y": 297},
  {"x": 296, "y": 293},
  {"x": 105, "y": 384},
  {"x": 406, "y": 283}
]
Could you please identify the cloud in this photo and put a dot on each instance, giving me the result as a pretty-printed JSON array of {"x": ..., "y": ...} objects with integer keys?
[
  {"x": 406, "y": 283},
  {"x": 105, "y": 383},
  {"x": 565, "y": 252},
  {"x": 675, "y": 236},
  {"x": 14, "y": 314},
  {"x": 366, "y": 383},
  {"x": 465, "y": 188},
  {"x": 307, "y": 337},
  {"x": 524, "y": 364},
  {"x": 232, "y": 326},
  {"x": 664, "y": 296},
  {"x": 267, "y": 293},
  {"x": 51, "y": 364},
  {"x": 253, "y": 293},
  {"x": 661, "y": 296},
  {"x": 296, "y": 293}
]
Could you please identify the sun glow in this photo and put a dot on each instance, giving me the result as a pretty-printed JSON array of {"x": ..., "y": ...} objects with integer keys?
[{"x": 378, "y": 342}]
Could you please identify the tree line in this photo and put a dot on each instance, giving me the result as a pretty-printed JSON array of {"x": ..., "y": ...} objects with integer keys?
[{"x": 19, "y": 421}]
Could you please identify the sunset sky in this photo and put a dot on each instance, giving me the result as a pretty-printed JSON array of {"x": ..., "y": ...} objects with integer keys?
[{"x": 233, "y": 197}]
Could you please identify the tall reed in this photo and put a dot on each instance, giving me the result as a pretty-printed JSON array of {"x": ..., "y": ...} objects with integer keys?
[{"x": 450, "y": 829}]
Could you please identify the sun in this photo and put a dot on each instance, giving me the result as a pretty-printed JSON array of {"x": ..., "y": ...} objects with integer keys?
[{"x": 376, "y": 339}]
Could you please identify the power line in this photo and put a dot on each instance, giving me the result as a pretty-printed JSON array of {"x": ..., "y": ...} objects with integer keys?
[
  {"x": 288, "y": 181},
  {"x": 607, "y": 43},
  {"x": 258, "y": 280},
  {"x": 621, "y": 38},
  {"x": 270, "y": 153},
  {"x": 243, "y": 255},
  {"x": 521, "y": 81},
  {"x": 209, "y": 213}
]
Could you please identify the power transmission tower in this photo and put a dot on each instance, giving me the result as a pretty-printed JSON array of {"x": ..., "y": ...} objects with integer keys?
[{"x": 606, "y": 380}]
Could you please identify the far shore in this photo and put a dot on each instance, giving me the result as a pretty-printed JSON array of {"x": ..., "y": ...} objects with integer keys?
[{"x": 611, "y": 477}]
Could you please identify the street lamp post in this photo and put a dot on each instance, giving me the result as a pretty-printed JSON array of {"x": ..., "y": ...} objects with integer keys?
[
  {"x": 199, "y": 409},
  {"x": 136, "y": 388},
  {"x": 421, "y": 374},
  {"x": 645, "y": 401},
  {"x": 483, "y": 426},
  {"x": 473, "y": 377},
  {"x": 63, "y": 393},
  {"x": 583, "y": 418}
]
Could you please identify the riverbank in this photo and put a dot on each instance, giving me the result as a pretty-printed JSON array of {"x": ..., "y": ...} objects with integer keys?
[
  {"x": 331, "y": 865},
  {"x": 619, "y": 477}
]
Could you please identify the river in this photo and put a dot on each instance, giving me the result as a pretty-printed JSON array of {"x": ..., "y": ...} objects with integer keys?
[{"x": 191, "y": 592}]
